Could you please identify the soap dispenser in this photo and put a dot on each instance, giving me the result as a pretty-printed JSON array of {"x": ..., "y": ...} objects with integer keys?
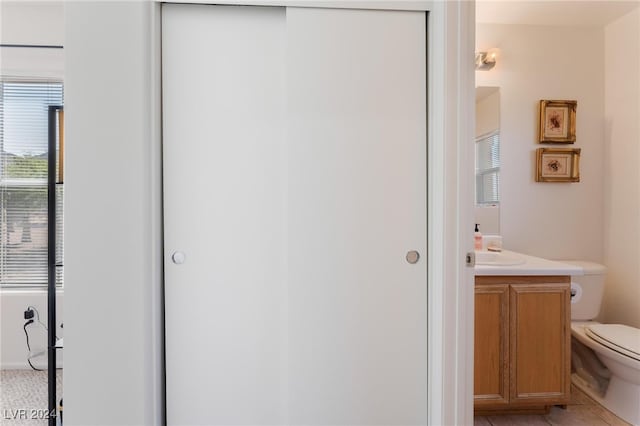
[{"x": 477, "y": 239}]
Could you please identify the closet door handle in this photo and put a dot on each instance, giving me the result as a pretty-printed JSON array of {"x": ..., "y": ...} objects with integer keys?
[
  {"x": 412, "y": 256},
  {"x": 178, "y": 257}
]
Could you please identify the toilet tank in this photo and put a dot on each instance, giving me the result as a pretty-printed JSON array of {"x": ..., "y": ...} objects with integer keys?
[{"x": 586, "y": 290}]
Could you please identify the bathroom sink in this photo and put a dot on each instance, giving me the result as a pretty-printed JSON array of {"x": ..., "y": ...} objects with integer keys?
[{"x": 498, "y": 258}]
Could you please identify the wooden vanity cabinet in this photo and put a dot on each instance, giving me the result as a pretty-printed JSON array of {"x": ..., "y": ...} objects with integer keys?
[
  {"x": 522, "y": 343},
  {"x": 491, "y": 354}
]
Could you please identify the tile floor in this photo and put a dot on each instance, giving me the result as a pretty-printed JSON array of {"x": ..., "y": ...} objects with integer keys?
[{"x": 581, "y": 411}]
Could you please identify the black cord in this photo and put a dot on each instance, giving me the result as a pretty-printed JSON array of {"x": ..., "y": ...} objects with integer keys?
[
  {"x": 31, "y": 321},
  {"x": 27, "y": 334},
  {"x": 38, "y": 318},
  {"x": 38, "y": 315},
  {"x": 37, "y": 369},
  {"x": 28, "y": 345}
]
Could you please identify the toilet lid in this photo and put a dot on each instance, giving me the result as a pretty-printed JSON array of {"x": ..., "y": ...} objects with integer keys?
[{"x": 620, "y": 338}]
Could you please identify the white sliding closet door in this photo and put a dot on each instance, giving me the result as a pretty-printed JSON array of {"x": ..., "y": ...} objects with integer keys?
[
  {"x": 295, "y": 187},
  {"x": 356, "y": 85},
  {"x": 225, "y": 209}
]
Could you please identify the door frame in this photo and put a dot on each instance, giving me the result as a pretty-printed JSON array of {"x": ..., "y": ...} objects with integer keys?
[{"x": 450, "y": 95}]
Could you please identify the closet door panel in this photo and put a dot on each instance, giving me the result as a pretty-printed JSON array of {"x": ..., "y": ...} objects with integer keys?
[
  {"x": 356, "y": 129},
  {"x": 225, "y": 194}
]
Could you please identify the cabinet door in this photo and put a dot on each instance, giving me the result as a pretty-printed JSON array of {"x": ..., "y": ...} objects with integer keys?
[
  {"x": 491, "y": 380},
  {"x": 540, "y": 343}
]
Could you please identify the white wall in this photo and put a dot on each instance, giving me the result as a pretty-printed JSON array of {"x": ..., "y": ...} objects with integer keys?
[
  {"x": 488, "y": 219},
  {"x": 113, "y": 329},
  {"x": 13, "y": 347},
  {"x": 32, "y": 23},
  {"x": 41, "y": 23},
  {"x": 622, "y": 175},
  {"x": 488, "y": 113},
  {"x": 553, "y": 220}
]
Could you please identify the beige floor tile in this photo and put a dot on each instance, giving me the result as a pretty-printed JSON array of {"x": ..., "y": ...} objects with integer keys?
[
  {"x": 608, "y": 416},
  {"x": 575, "y": 415},
  {"x": 518, "y": 420},
  {"x": 581, "y": 411},
  {"x": 579, "y": 398},
  {"x": 481, "y": 421}
]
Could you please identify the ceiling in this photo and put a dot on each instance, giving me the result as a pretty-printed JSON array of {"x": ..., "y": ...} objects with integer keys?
[{"x": 553, "y": 12}]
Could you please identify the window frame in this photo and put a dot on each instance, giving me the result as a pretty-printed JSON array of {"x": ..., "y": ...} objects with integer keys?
[{"x": 480, "y": 173}]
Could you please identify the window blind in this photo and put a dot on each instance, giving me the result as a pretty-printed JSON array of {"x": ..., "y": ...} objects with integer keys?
[
  {"x": 23, "y": 183},
  {"x": 488, "y": 169}
]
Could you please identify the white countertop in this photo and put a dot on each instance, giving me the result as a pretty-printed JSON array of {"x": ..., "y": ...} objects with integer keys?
[{"x": 532, "y": 266}]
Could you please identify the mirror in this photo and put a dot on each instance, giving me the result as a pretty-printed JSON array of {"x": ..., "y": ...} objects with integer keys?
[{"x": 487, "y": 160}]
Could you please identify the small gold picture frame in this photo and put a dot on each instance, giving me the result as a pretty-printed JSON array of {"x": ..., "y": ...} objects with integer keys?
[
  {"x": 558, "y": 165},
  {"x": 557, "y": 121}
]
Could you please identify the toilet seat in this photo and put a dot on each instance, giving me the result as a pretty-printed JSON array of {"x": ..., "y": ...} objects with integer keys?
[{"x": 620, "y": 338}]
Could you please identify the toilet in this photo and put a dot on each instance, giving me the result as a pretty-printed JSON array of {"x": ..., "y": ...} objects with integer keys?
[{"x": 605, "y": 357}]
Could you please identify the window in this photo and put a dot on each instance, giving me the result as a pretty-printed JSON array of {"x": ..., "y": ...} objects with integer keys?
[
  {"x": 23, "y": 183},
  {"x": 488, "y": 169}
]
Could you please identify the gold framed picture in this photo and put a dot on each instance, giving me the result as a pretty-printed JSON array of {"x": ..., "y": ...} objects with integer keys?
[
  {"x": 557, "y": 121},
  {"x": 558, "y": 165}
]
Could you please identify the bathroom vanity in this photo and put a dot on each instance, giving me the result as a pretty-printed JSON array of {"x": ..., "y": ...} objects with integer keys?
[{"x": 522, "y": 335}]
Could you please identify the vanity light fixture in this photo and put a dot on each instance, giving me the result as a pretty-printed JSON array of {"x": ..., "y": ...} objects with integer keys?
[{"x": 485, "y": 61}]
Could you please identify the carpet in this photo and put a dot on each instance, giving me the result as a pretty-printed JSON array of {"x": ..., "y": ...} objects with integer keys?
[{"x": 24, "y": 397}]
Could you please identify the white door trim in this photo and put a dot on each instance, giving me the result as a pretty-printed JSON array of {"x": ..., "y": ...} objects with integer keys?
[{"x": 450, "y": 165}]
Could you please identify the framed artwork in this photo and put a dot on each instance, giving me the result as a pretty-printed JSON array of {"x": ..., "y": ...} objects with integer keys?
[
  {"x": 558, "y": 165},
  {"x": 557, "y": 121}
]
